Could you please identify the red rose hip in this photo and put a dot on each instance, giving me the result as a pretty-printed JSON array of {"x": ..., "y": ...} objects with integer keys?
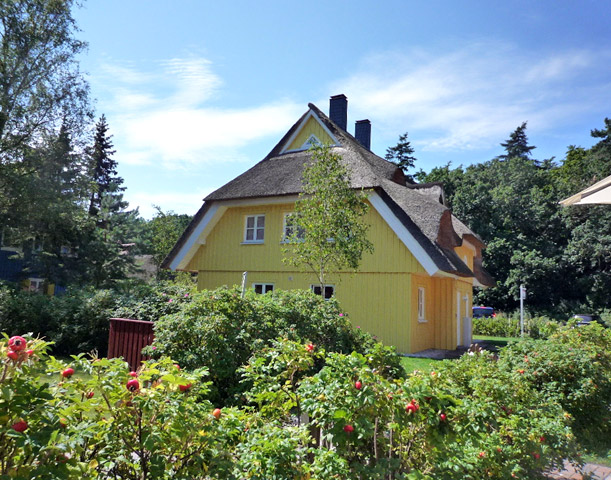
[
  {"x": 358, "y": 385},
  {"x": 184, "y": 388},
  {"x": 12, "y": 355},
  {"x": 216, "y": 413},
  {"x": 17, "y": 343},
  {"x": 348, "y": 429},
  {"x": 68, "y": 372},
  {"x": 133, "y": 385},
  {"x": 20, "y": 426}
]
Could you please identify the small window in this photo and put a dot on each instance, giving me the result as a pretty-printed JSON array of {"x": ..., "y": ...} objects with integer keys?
[
  {"x": 36, "y": 285},
  {"x": 263, "y": 288},
  {"x": 329, "y": 290},
  {"x": 254, "y": 231},
  {"x": 421, "y": 303},
  {"x": 312, "y": 141},
  {"x": 290, "y": 229}
]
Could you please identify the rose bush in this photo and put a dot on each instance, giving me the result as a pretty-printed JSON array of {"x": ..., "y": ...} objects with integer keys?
[
  {"x": 311, "y": 414},
  {"x": 220, "y": 330}
]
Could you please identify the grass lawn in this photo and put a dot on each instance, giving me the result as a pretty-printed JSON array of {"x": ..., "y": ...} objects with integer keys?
[
  {"x": 423, "y": 364},
  {"x": 498, "y": 341}
]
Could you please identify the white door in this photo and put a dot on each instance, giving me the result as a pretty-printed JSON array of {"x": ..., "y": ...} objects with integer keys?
[{"x": 458, "y": 330}]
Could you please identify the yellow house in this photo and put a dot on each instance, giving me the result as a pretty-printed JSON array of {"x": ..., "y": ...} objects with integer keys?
[{"x": 413, "y": 292}]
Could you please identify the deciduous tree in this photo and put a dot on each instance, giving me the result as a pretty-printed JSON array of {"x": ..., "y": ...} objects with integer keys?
[{"x": 328, "y": 232}]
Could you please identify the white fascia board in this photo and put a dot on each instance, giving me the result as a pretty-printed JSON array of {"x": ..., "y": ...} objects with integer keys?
[
  {"x": 211, "y": 218},
  {"x": 309, "y": 115},
  {"x": 189, "y": 248},
  {"x": 403, "y": 233}
]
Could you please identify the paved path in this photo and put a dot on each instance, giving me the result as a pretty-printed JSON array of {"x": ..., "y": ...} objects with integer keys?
[{"x": 590, "y": 471}]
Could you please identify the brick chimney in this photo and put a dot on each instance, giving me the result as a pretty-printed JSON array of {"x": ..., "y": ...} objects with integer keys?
[
  {"x": 338, "y": 110},
  {"x": 362, "y": 132}
]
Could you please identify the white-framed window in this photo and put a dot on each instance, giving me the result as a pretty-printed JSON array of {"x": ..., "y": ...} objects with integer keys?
[
  {"x": 36, "y": 285},
  {"x": 421, "y": 304},
  {"x": 254, "y": 229},
  {"x": 329, "y": 290},
  {"x": 289, "y": 229},
  {"x": 263, "y": 287},
  {"x": 310, "y": 142}
]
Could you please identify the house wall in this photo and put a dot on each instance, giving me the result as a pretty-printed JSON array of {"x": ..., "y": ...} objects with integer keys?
[
  {"x": 311, "y": 127},
  {"x": 381, "y": 299}
]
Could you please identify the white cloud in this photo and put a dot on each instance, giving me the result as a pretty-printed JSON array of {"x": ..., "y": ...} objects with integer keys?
[
  {"x": 163, "y": 117},
  {"x": 471, "y": 97}
]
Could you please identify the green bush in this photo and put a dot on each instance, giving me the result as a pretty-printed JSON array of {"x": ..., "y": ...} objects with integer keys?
[
  {"x": 469, "y": 420},
  {"x": 89, "y": 425},
  {"x": 509, "y": 326},
  {"x": 78, "y": 321},
  {"x": 572, "y": 367},
  {"x": 477, "y": 417},
  {"x": 220, "y": 330}
]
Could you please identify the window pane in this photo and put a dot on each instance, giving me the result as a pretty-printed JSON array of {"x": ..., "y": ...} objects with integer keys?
[
  {"x": 250, "y": 222},
  {"x": 260, "y": 233},
  {"x": 269, "y": 288},
  {"x": 261, "y": 221},
  {"x": 249, "y": 234},
  {"x": 258, "y": 288},
  {"x": 316, "y": 289},
  {"x": 328, "y": 292}
]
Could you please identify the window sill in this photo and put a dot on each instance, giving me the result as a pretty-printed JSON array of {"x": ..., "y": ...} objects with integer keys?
[
  {"x": 422, "y": 320},
  {"x": 252, "y": 243}
]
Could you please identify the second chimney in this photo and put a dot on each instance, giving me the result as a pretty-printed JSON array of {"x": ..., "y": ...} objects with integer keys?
[
  {"x": 338, "y": 110},
  {"x": 362, "y": 132}
]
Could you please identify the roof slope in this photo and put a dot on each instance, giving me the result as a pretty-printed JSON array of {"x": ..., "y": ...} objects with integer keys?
[{"x": 278, "y": 174}]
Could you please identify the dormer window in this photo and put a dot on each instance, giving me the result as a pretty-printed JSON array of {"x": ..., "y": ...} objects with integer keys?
[{"x": 312, "y": 141}]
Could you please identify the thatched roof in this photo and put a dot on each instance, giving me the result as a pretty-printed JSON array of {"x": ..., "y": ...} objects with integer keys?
[{"x": 417, "y": 207}]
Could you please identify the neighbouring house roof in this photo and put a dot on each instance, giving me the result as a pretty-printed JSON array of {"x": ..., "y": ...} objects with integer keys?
[
  {"x": 599, "y": 193},
  {"x": 428, "y": 223}
]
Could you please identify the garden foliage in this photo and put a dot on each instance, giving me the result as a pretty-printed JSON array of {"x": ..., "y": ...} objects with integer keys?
[
  {"x": 509, "y": 326},
  {"x": 78, "y": 321},
  {"x": 477, "y": 417},
  {"x": 221, "y": 330}
]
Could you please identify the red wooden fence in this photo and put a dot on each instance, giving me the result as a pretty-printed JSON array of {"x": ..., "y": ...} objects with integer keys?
[{"x": 127, "y": 338}]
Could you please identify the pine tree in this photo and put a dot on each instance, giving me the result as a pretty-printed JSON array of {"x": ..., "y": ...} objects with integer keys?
[
  {"x": 401, "y": 155},
  {"x": 517, "y": 145},
  {"x": 105, "y": 250},
  {"x": 107, "y": 184}
]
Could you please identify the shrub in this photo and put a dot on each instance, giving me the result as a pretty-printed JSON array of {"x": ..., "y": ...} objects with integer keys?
[
  {"x": 78, "y": 321},
  {"x": 469, "y": 420},
  {"x": 573, "y": 368},
  {"x": 503, "y": 427},
  {"x": 89, "y": 425},
  {"x": 474, "y": 418},
  {"x": 221, "y": 330},
  {"x": 509, "y": 326}
]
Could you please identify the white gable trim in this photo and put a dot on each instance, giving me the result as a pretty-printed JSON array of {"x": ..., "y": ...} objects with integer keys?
[
  {"x": 298, "y": 130},
  {"x": 208, "y": 222},
  {"x": 403, "y": 233},
  {"x": 197, "y": 237}
]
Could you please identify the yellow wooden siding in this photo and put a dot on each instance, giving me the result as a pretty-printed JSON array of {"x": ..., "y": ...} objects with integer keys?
[
  {"x": 381, "y": 298},
  {"x": 375, "y": 302},
  {"x": 225, "y": 248},
  {"x": 312, "y": 126},
  {"x": 463, "y": 252}
]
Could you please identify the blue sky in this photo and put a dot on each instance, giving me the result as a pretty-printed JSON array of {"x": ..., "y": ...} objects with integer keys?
[{"x": 195, "y": 92}]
